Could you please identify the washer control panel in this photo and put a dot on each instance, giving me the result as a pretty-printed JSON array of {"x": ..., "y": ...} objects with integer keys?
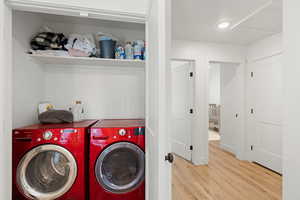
[{"x": 122, "y": 132}]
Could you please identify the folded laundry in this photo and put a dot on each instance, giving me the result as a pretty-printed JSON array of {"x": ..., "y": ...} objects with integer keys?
[{"x": 81, "y": 45}]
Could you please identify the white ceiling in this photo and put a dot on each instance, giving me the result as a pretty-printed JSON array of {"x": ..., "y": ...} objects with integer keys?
[{"x": 198, "y": 19}]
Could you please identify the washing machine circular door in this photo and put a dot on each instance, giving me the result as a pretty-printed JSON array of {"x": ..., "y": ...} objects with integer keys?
[
  {"x": 46, "y": 172},
  {"x": 120, "y": 168}
]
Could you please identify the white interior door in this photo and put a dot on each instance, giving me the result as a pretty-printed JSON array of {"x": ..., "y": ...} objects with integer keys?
[
  {"x": 267, "y": 92},
  {"x": 231, "y": 91},
  {"x": 158, "y": 171},
  {"x": 182, "y": 89}
]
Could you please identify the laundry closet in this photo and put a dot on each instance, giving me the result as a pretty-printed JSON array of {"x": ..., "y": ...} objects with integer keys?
[{"x": 105, "y": 87}]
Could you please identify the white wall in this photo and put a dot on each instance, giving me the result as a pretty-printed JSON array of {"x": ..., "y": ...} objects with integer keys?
[
  {"x": 265, "y": 48},
  {"x": 291, "y": 136},
  {"x": 260, "y": 52},
  {"x": 214, "y": 83},
  {"x": 202, "y": 53},
  {"x": 5, "y": 102},
  {"x": 106, "y": 92},
  {"x": 28, "y": 76}
]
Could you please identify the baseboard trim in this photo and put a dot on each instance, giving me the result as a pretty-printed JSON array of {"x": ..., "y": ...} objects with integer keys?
[
  {"x": 203, "y": 161},
  {"x": 228, "y": 148}
]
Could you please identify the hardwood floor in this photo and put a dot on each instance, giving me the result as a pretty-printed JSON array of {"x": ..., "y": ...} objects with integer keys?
[{"x": 225, "y": 178}]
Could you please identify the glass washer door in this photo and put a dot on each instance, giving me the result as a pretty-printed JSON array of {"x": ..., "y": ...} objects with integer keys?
[
  {"x": 120, "y": 168},
  {"x": 46, "y": 172}
]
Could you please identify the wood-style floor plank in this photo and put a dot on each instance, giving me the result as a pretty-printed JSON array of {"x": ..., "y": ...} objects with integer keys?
[{"x": 225, "y": 178}]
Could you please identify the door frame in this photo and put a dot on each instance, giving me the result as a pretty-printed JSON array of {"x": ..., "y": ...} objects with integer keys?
[
  {"x": 194, "y": 133},
  {"x": 5, "y": 101},
  {"x": 240, "y": 151},
  {"x": 158, "y": 186}
]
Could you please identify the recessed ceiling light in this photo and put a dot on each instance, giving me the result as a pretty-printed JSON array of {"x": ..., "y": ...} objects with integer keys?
[{"x": 223, "y": 25}]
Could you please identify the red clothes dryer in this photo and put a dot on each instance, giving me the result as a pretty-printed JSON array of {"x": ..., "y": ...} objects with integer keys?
[
  {"x": 117, "y": 160},
  {"x": 49, "y": 161}
]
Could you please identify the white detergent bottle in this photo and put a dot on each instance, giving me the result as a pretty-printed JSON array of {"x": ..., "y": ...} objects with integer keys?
[{"x": 78, "y": 111}]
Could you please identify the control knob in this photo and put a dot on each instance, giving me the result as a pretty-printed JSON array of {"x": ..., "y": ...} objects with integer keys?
[
  {"x": 122, "y": 132},
  {"x": 47, "y": 135}
]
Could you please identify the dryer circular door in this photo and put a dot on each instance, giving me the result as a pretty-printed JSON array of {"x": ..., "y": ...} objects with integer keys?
[
  {"x": 120, "y": 168},
  {"x": 46, "y": 172}
]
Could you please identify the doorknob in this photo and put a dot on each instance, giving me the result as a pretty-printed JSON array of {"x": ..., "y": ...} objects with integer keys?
[{"x": 169, "y": 158}]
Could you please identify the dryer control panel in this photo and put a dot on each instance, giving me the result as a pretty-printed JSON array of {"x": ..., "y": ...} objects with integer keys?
[{"x": 104, "y": 136}]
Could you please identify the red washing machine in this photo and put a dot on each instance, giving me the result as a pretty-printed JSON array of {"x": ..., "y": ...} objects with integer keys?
[
  {"x": 49, "y": 161},
  {"x": 117, "y": 160}
]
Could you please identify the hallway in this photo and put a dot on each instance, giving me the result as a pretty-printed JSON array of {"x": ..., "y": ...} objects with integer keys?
[{"x": 225, "y": 178}]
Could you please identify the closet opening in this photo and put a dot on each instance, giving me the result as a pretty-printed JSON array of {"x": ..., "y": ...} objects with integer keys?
[{"x": 78, "y": 106}]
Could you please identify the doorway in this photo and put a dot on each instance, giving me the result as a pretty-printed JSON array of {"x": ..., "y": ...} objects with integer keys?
[
  {"x": 214, "y": 102},
  {"x": 225, "y": 104},
  {"x": 182, "y": 108}
]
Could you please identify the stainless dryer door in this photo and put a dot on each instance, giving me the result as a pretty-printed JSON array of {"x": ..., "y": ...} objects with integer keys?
[
  {"x": 46, "y": 172},
  {"x": 120, "y": 168}
]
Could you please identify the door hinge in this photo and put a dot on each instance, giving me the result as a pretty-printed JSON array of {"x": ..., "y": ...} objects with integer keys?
[
  {"x": 251, "y": 147},
  {"x": 252, "y": 74},
  {"x": 191, "y": 148},
  {"x": 252, "y": 111},
  {"x": 191, "y": 111},
  {"x": 191, "y": 74}
]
